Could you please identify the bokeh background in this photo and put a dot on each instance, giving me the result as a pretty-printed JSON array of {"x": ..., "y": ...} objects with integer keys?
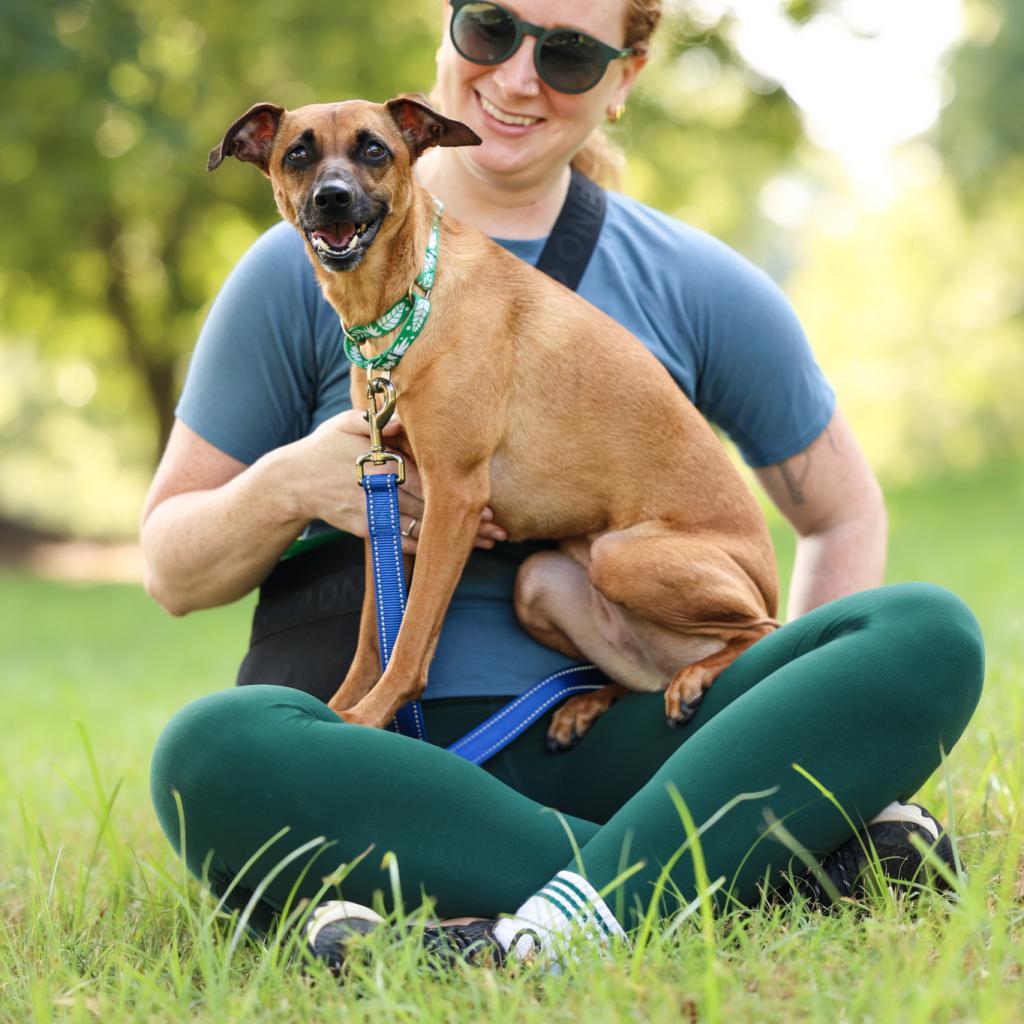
[{"x": 867, "y": 153}]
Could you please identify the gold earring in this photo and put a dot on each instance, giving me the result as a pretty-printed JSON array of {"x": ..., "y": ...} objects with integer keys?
[{"x": 615, "y": 113}]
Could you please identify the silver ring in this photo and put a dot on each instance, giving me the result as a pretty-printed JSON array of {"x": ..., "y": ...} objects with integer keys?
[{"x": 408, "y": 532}]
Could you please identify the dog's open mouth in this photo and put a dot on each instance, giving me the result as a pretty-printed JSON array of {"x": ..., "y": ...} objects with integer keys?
[{"x": 342, "y": 244}]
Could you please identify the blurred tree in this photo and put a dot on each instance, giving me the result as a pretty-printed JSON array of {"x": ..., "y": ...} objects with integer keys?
[
  {"x": 109, "y": 109},
  {"x": 703, "y": 130},
  {"x": 982, "y": 130}
]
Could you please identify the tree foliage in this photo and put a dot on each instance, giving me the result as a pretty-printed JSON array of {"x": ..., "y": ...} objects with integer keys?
[
  {"x": 982, "y": 131},
  {"x": 110, "y": 108}
]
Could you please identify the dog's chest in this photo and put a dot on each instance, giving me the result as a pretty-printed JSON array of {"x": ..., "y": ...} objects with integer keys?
[{"x": 533, "y": 499}]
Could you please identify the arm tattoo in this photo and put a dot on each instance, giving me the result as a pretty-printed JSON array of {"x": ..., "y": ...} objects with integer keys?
[
  {"x": 795, "y": 470},
  {"x": 794, "y": 473}
]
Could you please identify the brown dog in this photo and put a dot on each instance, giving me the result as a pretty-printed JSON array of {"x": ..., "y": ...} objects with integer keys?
[{"x": 521, "y": 395}]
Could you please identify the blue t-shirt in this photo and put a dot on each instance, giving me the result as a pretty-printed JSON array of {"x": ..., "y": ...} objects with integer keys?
[{"x": 269, "y": 368}]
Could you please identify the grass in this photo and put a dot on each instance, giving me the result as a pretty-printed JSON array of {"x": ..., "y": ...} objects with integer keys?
[{"x": 98, "y": 920}]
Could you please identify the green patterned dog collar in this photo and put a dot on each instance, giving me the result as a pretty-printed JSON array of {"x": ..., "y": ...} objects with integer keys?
[{"x": 407, "y": 315}]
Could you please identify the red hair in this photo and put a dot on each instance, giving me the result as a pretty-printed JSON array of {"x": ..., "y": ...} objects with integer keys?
[{"x": 600, "y": 158}]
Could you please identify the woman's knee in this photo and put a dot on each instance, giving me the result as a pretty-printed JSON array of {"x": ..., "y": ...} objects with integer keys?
[
  {"x": 939, "y": 644},
  {"x": 215, "y": 743}
]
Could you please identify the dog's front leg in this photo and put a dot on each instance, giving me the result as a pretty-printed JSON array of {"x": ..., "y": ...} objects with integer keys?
[
  {"x": 453, "y": 508},
  {"x": 365, "y": 668}
]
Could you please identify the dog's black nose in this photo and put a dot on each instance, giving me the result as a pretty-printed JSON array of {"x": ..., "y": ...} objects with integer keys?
[{"x": 333, "y": 198}]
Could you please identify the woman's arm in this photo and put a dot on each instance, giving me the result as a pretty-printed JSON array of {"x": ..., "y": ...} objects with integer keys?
[
  {"x": 213, "y": 527},
  {"x": 833, "y": 501}
]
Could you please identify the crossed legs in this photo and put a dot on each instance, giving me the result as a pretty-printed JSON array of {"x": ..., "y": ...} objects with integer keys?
[{"x": 862, "y": 694}]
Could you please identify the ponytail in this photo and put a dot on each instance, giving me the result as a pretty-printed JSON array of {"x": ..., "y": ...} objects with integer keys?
[{"x": 601, "y": 160}]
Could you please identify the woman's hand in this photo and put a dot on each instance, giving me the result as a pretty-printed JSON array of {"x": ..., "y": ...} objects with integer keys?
[{"x": 325, "y": 462}]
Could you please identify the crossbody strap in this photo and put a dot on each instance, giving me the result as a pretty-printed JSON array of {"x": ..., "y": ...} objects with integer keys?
[{"x": 572, "y": 241}]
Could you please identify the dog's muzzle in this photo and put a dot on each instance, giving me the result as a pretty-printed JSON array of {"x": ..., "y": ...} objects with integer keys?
[{"x": 341, "y": 224}]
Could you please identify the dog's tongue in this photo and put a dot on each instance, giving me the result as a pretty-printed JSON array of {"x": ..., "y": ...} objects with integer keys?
[{"x": 337, "y": 235}]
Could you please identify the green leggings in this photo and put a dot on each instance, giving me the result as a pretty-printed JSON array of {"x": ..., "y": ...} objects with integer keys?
[{"x": 862, "y": 694}]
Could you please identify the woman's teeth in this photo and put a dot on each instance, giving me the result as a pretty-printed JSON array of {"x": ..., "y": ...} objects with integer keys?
[{"x": 500, "y": 115}]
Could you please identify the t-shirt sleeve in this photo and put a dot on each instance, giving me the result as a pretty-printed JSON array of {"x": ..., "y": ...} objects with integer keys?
[
  {"x": 252, "y": 375},
  {"x": 757, "y": 377}
]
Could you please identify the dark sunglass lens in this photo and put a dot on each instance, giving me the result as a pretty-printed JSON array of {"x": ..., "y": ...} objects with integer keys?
[
  {"x": 483, "y": 33},
  {"x": 571, "y": 61}
]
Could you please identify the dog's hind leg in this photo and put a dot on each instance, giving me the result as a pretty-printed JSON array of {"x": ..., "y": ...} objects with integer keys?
[
  {"x": 694, "y": 586},
  {"x": 640, "y": 604},
  {"x": 559, "y": 605}
]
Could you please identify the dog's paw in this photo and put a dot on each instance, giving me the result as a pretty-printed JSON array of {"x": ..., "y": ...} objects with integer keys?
[
  {"x": 571, "y": 722},
  {"x": 360, "y": 716},
  {"x": 682, "y": 712},
  {"x": 683, "y": 697},
  {"x": 562, "y": 734}
]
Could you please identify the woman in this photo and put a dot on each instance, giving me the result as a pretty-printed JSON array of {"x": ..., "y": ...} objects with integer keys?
[{"x": 861, "y": 693}]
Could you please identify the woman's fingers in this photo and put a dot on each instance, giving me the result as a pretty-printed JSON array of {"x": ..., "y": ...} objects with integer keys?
[
  {"x": 410, "y": 533},
  {"x": 353, "y": 422},
  {"x": 487, "y": 535},
  {"x": 410, "y": 496}
]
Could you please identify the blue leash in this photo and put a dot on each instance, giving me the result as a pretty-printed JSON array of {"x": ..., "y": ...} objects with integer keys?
[
  {"x": 501, "y": 728},
  {"x": 389, "y": 583}
]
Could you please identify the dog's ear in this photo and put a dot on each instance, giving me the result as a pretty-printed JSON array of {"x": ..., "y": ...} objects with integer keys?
[
  {"x": 422, "y": 126},
  {"x": 250, "y": 138}
]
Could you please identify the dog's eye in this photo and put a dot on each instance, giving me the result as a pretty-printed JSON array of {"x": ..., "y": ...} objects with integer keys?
[
  {"x": 297, "y": 154},
  {"x": 374, "y": 151}
]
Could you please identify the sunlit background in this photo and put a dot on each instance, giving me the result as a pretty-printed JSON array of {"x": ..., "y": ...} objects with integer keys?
[{"x": 867, "y": 153}]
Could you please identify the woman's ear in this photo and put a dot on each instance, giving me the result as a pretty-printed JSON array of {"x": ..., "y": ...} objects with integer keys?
[{"x": 631, "y": 68}]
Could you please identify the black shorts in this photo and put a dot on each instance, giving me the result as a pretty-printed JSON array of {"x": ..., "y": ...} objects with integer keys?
[{"x": 306, "y": 624}]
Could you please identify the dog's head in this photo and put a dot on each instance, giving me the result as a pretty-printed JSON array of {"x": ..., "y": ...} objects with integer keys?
[{"x": 340, "y": 170}]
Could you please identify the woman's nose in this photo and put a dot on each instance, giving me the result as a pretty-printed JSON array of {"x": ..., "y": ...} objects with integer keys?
[{"x": 517, "y": 76}]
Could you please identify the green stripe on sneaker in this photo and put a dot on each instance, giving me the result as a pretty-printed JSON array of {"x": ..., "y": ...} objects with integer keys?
[
  {"x": 558, "y": 880},
  {"x": 553, "y": 899},
  {"x": 570, "y": 894}
]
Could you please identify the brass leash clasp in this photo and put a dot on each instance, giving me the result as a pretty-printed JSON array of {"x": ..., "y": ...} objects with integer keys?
[{"x": 378, "y": 416}]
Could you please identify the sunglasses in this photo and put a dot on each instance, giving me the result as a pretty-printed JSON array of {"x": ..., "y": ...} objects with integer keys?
[{"x": 567, "y": 60}]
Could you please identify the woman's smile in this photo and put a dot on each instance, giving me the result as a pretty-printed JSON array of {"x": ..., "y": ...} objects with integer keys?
[{"x": 505, "y": 121}]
